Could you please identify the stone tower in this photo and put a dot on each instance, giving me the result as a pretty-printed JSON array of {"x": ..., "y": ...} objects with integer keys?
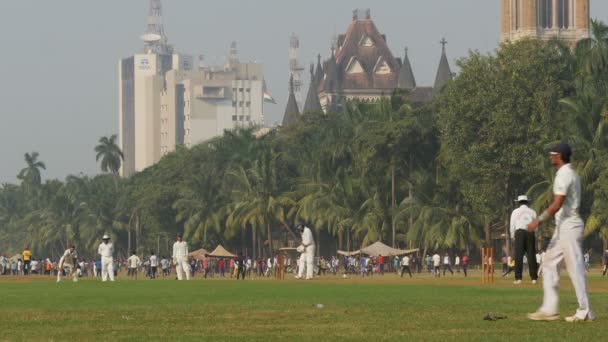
[{"x": 545, "y": 19}]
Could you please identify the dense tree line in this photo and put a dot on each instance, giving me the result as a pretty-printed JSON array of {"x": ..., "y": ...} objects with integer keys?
[{"x": 438, "y": 176}]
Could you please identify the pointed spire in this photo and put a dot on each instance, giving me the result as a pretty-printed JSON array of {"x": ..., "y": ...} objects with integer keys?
[
  {"x": 319, "y": 71},
  {"x": 312, "y": 104},
  {"x": 291, "y": 110},
  {"x": 330, "y": 83},
  {"x": 444, "y": 73},
  {"x": 406, "y": 78}
]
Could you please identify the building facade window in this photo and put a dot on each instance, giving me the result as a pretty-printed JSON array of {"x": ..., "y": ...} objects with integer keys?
[
  {"x": 545, "y": 13},
  {"x": 517, "y": 11},
  {"x": 563, "y": 14}
]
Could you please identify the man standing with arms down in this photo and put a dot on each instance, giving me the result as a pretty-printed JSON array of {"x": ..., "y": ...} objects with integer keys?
[
  {"x": 525, "y": 242},
  {"x": 180, "y": 255},
  {"x": 133, "y": 262},
  {"x": 307, "y": 250},
  {"x": 106, "y": 250},
  {"x": 566, "y": 242}
]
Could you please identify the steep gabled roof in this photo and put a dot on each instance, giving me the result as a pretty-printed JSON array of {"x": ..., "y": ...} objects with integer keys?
[
  {"x": 354, "y": 44},
  {"x": 312, "y": 103},
  {"x": 406, "y": 78},
  {"x": 291, "y": 110},
  {"x": 444, "y": 73}
]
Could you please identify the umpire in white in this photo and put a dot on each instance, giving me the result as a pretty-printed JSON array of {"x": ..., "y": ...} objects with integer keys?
[
  {"x": 524, "y": 241},
  {"x": 566, "y": 242}
]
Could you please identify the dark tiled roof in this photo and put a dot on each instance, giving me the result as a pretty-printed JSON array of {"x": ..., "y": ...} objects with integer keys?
[
  {"x": 421, "y": 95},
  {"x": 369, "y": 57},
  {"x": 291, "y": 110},
  {"x": 406, "y": 78}
]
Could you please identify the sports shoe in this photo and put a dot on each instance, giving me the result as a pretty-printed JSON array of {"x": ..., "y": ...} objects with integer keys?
[
  {"x": 534, "y": 282},
  {"x": 517, "y": 282},
  {"x": 574, "y": 318},
  {"x": 542, "y": 316}
]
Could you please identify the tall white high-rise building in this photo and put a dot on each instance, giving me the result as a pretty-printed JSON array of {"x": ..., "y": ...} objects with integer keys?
[{"x": 165, "y": 101}]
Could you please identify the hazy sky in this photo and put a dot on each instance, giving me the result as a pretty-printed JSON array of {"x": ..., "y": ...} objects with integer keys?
[{"x": 59, "y": 61}]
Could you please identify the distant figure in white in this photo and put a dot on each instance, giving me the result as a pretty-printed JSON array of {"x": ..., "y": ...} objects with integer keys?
[
  {"x": 68, "y": 259},
  {"x": 180, "y": 257},
  {"x": 307, "y": 250},
  {"x": 106, "y": 250}
]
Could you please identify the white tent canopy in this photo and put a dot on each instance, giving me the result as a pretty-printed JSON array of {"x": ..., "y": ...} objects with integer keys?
[
  {"x": 221, "y": 252},
  {"x": 378, "y": 248}
]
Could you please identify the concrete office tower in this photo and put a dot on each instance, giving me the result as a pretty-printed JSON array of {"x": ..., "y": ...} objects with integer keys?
[
  {"x": 141, "y": 82},
  {"x": 545, "y": 19}
]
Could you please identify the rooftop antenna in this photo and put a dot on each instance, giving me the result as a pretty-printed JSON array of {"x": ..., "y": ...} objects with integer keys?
[
  {"x": 295, "y": 69},
  {"x": 155, "y": 40}
]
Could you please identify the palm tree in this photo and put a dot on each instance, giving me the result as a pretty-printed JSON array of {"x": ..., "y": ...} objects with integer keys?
[
  {"x": 110, "y": 154},
  {"x": 30, "y": 175}
]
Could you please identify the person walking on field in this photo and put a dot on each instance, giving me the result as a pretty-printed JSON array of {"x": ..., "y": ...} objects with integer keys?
[
  {"x": 524, "y": 241},
  {"x": 27, "y": 259},
  {"x": 465, "y": 264},
  {"x": 446, "y": 264},
  {"x": 405, "y": 265},
  {"x": 180, "y": 255},
  {"x": 106, "y": 250},
  {"x": 68, "y": 259},
  {"x": 457, "y": 264},
  {"x": 436, "y": 265},
  {"x": 153, "y": 265},
  {"x": 566, "y": 242},
  {"x": 133, "y": 261}
]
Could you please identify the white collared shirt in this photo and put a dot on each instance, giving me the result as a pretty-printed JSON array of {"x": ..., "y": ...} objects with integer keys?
[
  {"x": 180, "y": 249},
  {"x": 520, "y": 218},
  {"x": 307, "y": 237},
  {"x": 567, "y": 183},
  {"x": 106, "y": 249},
  {"x": 134, "y": 261}
]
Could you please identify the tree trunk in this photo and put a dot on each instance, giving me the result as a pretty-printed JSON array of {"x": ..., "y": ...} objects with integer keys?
[
  {"x": 136, "y": 234},
  {"x": 507, "y": 230},
  {"x": 486, "y": 230},
  {"x": 253, "y": 241},
  {"x": 260, "y": 244},
  {"x": 129, "y": 240},
  {"x": 269, "y": 229},
  {"x": 393, "y": 200},
  {"x": 348, "y": 245},
  {"x": 243, "y": 238},
  {"x": 340, "y": 237}
]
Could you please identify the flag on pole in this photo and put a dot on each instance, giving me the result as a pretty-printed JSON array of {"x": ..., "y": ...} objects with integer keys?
[{"x": 267, "y": 97}]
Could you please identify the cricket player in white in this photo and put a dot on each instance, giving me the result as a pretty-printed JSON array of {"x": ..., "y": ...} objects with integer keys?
[
  {"x": 307, "y": 250},
  {"x": 68, "y": 259},
  {"x": 566, "y": 242},
  {"x": 180, "y": 255},
  {"x": 106, "y": 250}
]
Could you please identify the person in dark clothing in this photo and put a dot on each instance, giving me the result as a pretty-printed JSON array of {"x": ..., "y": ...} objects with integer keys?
[
  {"x": 241, "y": 267},
  {"x": 524, "y": 241}
]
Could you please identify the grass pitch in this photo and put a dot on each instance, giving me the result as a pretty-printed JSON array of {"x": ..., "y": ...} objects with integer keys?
[{"x": 382, "y": 308}]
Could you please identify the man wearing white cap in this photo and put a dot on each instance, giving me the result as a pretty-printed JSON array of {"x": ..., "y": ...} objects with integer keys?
[
  {"x": 106, "y": 250},
  {"x": 565, "y": 244},
  {"x": 524, "y": 241},
  {"x": 180, "y": 256}
]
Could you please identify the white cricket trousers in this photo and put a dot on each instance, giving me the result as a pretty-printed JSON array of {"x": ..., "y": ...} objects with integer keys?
[
  {"x": 181, "y": 267},
  {"x": 565, "y": 246},
  {"x": 107, "y": 268},
  {"x": 72, "y": 272},
  {"x": 307, "y": 262}
]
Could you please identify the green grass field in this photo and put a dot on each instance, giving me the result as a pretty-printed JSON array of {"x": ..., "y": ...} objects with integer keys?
[{"x": 382, "y": 308}]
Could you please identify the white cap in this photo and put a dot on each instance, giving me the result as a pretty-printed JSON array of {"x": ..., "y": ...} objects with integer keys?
[
  {"x": 522, "y": 198},
  {"x": 105, "y": 237}
]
